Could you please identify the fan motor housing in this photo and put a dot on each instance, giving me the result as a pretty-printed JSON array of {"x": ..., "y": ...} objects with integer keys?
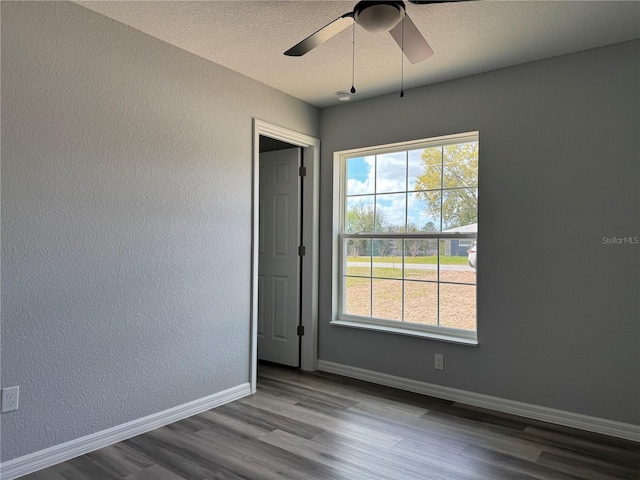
[{"x": 380, "y": 16}]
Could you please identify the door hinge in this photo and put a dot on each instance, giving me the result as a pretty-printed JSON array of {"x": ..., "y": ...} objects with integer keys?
[
  {"x": 300, "y": 330},
  {"x": 302, "y": 251},
  {"x": 302, "y": 171}
]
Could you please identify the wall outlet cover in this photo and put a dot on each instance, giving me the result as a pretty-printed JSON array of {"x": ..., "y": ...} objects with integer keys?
[
  {"x": 10, "y": 397},
  {"x": 439, "y": 361}
]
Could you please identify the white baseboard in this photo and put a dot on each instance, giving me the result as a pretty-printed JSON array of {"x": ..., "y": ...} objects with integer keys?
[
  {"x": 559, "y": 417},
  {"x": 65, "y": 451}
]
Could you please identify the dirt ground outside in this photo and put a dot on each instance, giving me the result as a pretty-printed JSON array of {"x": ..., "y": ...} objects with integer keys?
[{"x": 384, "y": 297}]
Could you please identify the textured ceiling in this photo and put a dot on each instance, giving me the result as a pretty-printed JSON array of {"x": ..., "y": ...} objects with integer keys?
[{"x": 468, "y": 38}]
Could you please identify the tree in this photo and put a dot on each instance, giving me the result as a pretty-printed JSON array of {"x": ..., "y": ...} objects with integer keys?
[
  {"x": 355, "y": 248},
  {"x": 360, "y": 218},
  {"x": 452, "y": 167},
  {"x": 415, "y": 247},
  {"x": 429, "y": 227},
  {"x": 383, "y": 248}
]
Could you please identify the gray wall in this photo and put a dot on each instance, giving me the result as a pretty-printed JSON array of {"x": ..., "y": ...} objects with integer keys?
[
  {"x": 126, "y": 222},
  {"x": 559, "y": 165}
]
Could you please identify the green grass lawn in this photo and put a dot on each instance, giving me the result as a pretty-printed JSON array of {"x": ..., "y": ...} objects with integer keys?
[{"x": 431, "y": 259}]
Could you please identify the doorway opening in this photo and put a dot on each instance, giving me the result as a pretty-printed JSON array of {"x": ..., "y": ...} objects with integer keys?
[
  {"x": 279, "y": 252},
  {"x": 303, "y": 151}
]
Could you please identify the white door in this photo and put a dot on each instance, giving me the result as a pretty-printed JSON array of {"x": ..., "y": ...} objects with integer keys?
[{"x": 279, "y": 263}]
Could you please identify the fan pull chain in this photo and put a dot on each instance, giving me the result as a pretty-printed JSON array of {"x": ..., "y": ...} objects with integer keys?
[
  {"x": 402, "y": 61},
  {"x": 353, "y": 58}
]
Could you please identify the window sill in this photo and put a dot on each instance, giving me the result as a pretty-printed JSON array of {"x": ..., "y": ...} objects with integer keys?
[{"x": 469, "y": 338}]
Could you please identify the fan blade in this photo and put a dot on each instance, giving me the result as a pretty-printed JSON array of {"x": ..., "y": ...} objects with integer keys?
[
  {"x": 414, "y": 46},
  {"x": 321, "y": 36}
]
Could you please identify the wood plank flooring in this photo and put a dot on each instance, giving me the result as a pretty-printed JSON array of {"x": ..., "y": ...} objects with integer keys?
[{"x": 314, "y": 426}]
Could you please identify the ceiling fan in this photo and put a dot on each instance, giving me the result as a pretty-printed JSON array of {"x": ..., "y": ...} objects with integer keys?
[{"x": 376, "y": 16}]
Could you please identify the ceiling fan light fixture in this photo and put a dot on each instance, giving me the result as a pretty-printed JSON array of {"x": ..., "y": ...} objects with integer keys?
[
  {"x": 377, "y": 17},
  {"x": 343, "y": 96}
]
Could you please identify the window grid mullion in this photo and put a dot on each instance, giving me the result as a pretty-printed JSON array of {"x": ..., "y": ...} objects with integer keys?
[
  {"x": 406, "y": 225},
  {"x": 406, "y": 192},
  {"x": 446, "y": 189},
  {"x": 441, "y": 228},
  {"x": 438, "y": 283},
  {"x": 371, "y": 272},
  {"x": 375, "y": 222},
  {"x": 415, "y": 236},
  {"x": 403, "y": 281},
  {"x": 375, "y": 197}
]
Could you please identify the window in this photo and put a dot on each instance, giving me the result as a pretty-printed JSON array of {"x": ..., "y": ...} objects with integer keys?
[{"x": 405, "y": 231}]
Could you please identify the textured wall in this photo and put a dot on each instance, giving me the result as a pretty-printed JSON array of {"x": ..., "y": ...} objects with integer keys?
[
  {"x": 558, "y": 311},
  {"x": 126, "y": 222}
]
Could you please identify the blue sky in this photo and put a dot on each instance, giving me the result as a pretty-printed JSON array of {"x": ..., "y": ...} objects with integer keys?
[{"x": 390, "y": 178}]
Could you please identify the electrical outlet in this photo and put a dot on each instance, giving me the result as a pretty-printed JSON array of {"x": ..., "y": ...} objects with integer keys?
[
  {"x": 439, "y": 362},
  {"x": 10, "y": 399}
]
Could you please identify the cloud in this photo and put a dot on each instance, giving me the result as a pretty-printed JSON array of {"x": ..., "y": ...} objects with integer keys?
[
  {"x": 392, "y": 207},
  {"x": 361, "y": 175},
  {"x": 388, "y": 178},
  {"x": 391, "y": 172}
]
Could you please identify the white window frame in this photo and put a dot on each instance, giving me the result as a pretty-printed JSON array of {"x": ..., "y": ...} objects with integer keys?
[{"x": 441, "y": 333}]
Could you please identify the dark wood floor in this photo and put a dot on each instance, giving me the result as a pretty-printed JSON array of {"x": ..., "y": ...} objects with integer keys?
[{"x": 320, "y": 426}]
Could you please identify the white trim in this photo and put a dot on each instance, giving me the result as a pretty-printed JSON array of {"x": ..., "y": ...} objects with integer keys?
[
  {"x": 413, "y": 144},
  {"x": 536, "y": 412},
  {"x": 65, "y": 451},
  {"x": 444, "y": 334},
  {"x": 310, "y": 228}
]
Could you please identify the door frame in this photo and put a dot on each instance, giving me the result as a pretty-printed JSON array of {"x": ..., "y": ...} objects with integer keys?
[{"x": 310, "y": 223}]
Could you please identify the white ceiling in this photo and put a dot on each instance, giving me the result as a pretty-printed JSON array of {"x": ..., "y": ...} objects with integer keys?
[{"x": 468, "y": 38}]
